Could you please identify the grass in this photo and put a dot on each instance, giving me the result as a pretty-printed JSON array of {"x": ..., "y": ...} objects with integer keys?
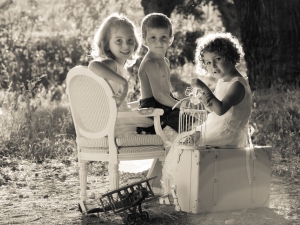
[
  {"x": 36, "y": 129},
  {"x": 38, "y": 132}
]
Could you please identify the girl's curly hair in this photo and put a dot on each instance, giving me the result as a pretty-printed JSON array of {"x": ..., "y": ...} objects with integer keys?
[{"x": 224, "y": 44}]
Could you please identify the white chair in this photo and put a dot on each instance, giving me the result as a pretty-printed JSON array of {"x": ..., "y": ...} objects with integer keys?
[{"x": 94, "y": 114}]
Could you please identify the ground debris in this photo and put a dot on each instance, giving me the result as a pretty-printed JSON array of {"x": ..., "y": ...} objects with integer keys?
[{"x": 52, "y": 199}]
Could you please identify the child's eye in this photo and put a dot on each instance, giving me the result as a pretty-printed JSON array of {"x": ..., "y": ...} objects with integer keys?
[
  {"x": 207, "y": 63},
  {"x": 218, "y": 59},
  {"x": 153, "y": 37},
  {"x": 118, "y": 41},
  {"x": 131, "y": 41}
]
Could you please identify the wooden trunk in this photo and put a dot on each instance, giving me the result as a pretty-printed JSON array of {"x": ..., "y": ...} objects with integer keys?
[{"x": 211, "y": 180}]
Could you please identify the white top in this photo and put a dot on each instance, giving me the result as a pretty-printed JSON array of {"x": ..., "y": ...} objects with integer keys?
[{"x": 232, "y": 127}]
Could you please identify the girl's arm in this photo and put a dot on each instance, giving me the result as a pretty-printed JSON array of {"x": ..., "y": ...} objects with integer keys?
[
  {"x": 107, "y": 70},
  {"x": 234, "y": 95}
]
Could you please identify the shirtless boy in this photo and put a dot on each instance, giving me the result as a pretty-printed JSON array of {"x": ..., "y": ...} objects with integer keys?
[{"x": 154, "y": 71}]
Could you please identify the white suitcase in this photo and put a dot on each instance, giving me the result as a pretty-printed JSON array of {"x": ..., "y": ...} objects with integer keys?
[{"x": 211, "y": 180}]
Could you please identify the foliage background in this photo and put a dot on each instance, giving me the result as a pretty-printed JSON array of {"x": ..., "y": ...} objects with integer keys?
[{"x": 41, "y": 40}]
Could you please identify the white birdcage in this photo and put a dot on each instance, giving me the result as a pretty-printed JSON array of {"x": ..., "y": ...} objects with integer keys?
[
  {"x": 189, "y": 141},
  {"x": 191, "y": 120}
]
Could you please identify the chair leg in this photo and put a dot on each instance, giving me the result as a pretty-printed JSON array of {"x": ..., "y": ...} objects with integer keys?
[
  {"x": 113, "y": 176},
  {"x": 83, "y": 180}
]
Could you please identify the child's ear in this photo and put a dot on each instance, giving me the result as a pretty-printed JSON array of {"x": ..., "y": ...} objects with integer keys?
[{"x": 171, "y": 40}]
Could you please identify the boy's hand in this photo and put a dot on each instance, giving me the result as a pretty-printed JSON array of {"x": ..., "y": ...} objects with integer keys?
[{"x": 134, "y": 105}]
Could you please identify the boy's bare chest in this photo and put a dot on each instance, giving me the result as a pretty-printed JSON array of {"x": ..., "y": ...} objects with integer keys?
[
  {"x": 164, "y": 71},
  {"x": 164, "y": 79}
]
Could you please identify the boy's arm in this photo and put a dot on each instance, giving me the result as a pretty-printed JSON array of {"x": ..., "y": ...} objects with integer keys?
[
  {"x": 152, "y": 70},
  {"x": 232, "y": 97}
]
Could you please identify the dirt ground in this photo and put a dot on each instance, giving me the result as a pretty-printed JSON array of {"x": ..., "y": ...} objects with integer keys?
[{"x": 49, "y": 194}]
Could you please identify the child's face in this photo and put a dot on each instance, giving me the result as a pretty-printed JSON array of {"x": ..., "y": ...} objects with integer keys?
[
  {"x": 122, "y": 43},
  {"x": 158, "y": 40},
  {"x": 216, "y": 65}
]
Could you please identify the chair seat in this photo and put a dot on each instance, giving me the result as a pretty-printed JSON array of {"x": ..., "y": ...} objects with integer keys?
[
  {"x": 122, "y": 141},
  {"x": 125, "y": 150},
  {"x": 128, "y": 150}
]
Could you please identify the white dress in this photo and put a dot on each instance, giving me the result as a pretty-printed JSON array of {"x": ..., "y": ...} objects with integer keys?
[
  {"x": 127, "y": 126},
  {"x": 228, "y": 129}
]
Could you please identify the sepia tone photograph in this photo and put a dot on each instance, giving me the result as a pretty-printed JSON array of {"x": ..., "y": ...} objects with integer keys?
[{"x": 162, "y": 112}]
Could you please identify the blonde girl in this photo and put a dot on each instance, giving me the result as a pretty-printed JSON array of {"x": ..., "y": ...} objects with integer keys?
[{"x": 115, "y": 47}]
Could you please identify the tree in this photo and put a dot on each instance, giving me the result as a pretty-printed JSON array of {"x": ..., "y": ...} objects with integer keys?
[
  {"x": 166, "y": 7},
  {"x": 229, "y": 17},
  {"x": 270, "y": 31}
]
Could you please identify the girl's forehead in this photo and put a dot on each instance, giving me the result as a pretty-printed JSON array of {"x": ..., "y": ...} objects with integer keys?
[
  {"x": 122, "y": 30},
  {"x": 209, "y": 55}
]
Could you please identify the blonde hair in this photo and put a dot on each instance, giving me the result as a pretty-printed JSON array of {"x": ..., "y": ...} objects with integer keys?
[{"x": 100, "y": 46}]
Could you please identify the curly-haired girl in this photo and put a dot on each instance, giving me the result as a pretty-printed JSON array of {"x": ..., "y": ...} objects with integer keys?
[{"x": 229, "y": 105}]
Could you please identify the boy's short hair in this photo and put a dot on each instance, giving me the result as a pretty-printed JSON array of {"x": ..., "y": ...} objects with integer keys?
[
  {"x": 224, "y": 44},
  {"x": 156, "y": 21}
]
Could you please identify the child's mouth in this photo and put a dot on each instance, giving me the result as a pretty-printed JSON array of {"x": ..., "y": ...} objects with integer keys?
[{"x": 125, "y": 53}]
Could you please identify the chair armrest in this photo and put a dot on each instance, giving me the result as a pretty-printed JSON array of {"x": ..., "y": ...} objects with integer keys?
[
  {"x": 141, "y": 113},
  {"x": 156, "y": 113}
]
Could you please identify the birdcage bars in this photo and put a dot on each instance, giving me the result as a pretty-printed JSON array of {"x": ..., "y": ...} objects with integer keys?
[{"x": 191, "y": 123}]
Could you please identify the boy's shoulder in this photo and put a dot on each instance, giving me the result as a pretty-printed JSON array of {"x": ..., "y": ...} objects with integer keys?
[{"x": 149, "y": 62}]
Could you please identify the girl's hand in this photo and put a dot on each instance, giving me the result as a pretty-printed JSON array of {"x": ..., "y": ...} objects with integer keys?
[
  {"x": 207, "y": 97},
  {"x": 197, "y": 83},
  {"x": 119, "y": 97}
]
